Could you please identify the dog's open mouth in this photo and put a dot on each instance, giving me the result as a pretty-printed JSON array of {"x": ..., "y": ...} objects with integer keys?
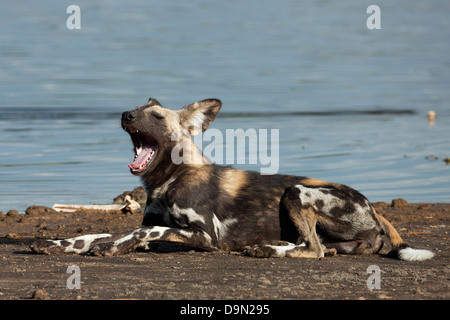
[{"x": 145, "y": 149}]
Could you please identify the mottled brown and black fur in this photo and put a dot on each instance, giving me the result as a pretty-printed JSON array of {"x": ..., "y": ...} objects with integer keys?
[{"x": 204, "y": 205}]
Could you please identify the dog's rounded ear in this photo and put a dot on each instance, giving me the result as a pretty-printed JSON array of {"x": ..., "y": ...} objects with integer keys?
[
  {"x": 197, "y": 116},
  {"x": 153, "y": 102}
]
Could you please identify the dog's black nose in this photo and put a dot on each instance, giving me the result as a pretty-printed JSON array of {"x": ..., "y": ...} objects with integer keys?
[{"x": 128, "y": 116}]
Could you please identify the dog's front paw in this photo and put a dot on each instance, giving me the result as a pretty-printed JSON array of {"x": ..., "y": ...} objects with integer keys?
[
  {"x": 258, "y": 251},
  {"x": 265, "y": 250},
  {"x": 47, "y": 247},
  {"x": 329, "y": 252}
]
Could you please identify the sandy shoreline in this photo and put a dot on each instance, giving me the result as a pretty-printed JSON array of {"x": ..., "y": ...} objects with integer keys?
[{"x": 181, "y": 273}]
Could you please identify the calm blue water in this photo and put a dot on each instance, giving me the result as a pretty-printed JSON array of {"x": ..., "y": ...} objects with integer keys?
[{"x": 311, "y": 69}]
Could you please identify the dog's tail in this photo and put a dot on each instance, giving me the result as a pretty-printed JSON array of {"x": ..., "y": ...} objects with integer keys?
[{"x": 400, "y": 249}]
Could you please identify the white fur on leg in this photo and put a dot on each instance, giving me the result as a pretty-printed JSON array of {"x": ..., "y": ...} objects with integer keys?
[{"x": 281, "y": 251}]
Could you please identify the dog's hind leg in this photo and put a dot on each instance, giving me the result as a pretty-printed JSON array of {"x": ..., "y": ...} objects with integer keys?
[
  {"x": 355, "y": 246},
  {"x": 301, "y": 220},
  {"x": 369, "y": 243}
]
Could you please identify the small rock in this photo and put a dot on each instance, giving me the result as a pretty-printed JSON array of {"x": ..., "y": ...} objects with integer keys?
[
  {"x": 12, "y": 235},
  {"x": 38, "y": 210},
  {"x": 40, "y": 294},
  {"x": 42, "y": 225},
  {"x": 424, "y": 206},
  {"x": 399, "y": 203},
  {"x": 264, "y": 280},
  {"x": 138, "y": 194},
  {"x": 13, "y": 213},
  {"x": 380, "y": 205}
]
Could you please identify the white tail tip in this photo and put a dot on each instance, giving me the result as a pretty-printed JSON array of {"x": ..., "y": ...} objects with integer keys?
[{"x": 411, "y": 254}]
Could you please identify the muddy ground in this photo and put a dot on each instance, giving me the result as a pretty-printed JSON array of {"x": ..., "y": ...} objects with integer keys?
[{"x": 182, "y": 273}]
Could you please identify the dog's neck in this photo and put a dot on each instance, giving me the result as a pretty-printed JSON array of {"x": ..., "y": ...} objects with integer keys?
[{"x": 168, "y": 169}]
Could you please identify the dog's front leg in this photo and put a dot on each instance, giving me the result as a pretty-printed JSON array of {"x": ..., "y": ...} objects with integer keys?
[
  {"x": 79, "y": 245},
  {"x": 144, "y": 236},
  {"x": 117, "y": 244}
]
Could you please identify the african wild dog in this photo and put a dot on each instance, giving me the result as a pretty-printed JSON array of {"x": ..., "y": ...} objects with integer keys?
[{"x": 214, "y": 207}]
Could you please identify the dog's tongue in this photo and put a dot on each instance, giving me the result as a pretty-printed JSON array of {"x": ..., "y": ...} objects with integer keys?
[{"x": 142, "y": 159}]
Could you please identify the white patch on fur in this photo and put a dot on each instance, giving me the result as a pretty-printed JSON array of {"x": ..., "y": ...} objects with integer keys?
[
  {"x": 161, "y": 191},
  {"x": 411, "y": 254},
  {"x": 87, "y": 239},
  {"x": 330, "y": 201},
  {"x": 190, "y": 213},
  {"x": 186, "y": 233},
  {"x": 197, "y": 122},
  {"x": 280, "y": 251},
  {"x": 148, "y": 237},
  {"x": 358, "y": 218},
  {"x": 190, "y": 233},
  {"x": 158, "y": 229},
  {"x": 221, "y": 227}
]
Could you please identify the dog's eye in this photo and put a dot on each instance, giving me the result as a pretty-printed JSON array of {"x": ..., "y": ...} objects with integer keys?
[{"x": 157, "y": 115}]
